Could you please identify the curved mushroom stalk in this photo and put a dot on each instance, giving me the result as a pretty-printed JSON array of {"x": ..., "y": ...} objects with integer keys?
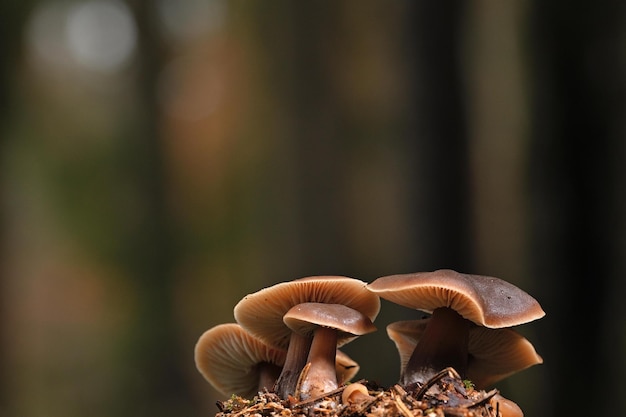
[
  {"x": 299, "y": 346},
  {"x": 443, "y": 344}
]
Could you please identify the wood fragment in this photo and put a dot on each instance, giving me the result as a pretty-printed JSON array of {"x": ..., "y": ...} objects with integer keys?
[
  {"x": 482, "y": 400},
  {"x": 404, "y": 410}
]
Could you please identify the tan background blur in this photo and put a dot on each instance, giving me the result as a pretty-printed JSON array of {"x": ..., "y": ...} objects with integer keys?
[{"x": 161, "y": 159}]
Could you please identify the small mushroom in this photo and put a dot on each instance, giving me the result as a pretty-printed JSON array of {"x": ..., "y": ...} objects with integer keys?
[
  {"x": 493, "y": 354},
  {"x": 235, "y": 362},
  {"x": 455, "y": 300},
  {"x": 261, "y": 314},
  {"x": 355, "y": 393},
  {"x": 329, "y": 325},
  {"x": 505, "y": 407}
]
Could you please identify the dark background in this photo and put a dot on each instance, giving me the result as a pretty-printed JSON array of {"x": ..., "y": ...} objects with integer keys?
[{"x": 162, "y": 159}]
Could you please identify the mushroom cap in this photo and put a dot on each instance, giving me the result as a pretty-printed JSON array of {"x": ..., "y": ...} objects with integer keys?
[
  {"x": 494, "y": 354},
  {"x": 406, "y": 334},
  {"x": 304, "y": 318},
  {"x": 487, "y": 301},
  {"x": 346, "y": 367},
  {"x": 228, "y": 358},
  {"x": 261, "y": 313}
]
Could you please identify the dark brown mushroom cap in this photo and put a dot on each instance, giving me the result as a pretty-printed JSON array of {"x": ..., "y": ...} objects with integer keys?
[
  {"x": 487, "y": 301},
  {"x": 305, "y": 318},
  {"x": 494, "y": 354},
  {"x": 261, "y": 313},
  {"x": 228, "y": 358}
]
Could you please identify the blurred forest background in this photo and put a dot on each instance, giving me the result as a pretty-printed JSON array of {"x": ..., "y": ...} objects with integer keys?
[{"x": 161, "y": 159}]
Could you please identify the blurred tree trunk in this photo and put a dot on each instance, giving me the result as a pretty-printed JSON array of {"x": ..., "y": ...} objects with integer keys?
[
  {"x": 332, "y": 73},
  {"x": 576, "y": 174},
  {"x": 319, "y": 151},
  {"x": 440, "y": 152},
  {"x": 436, "y": 136},
  {"x": 155, "y": 346},
  {"x": 13, "y": 14},
  {"x": 298, "y": 39}
]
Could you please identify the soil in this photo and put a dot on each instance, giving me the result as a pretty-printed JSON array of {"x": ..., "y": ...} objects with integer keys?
[{"x": 445, "y": 394}]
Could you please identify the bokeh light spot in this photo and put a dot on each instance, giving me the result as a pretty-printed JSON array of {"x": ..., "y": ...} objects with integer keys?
[{"x": 101, "y": 34}]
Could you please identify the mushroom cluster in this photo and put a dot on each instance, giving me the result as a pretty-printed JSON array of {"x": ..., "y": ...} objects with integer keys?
[
  {"x": 286, "y": 338},
  {"x": 295, "y": 326}
]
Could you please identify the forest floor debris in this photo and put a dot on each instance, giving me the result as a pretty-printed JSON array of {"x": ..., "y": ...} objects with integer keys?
[{"x": 444, "y": 395}]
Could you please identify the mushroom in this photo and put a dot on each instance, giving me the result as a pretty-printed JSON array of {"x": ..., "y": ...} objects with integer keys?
[
  {"x": 455, "y": 300},
  {"x": 329, "y": 325},
  {"x": 493, "y": 354},
  {"x": 235, "y": 362},
  {"x": 261, "y": 314},
  {"x": 355, "y": 393},
  {"x": 505, "y": 407}
]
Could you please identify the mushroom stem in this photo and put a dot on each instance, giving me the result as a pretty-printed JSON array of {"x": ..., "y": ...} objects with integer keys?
[
  {"x": 268, "y": 375},
  {"x": 444, "y": 343},
  {"x": 322, "y": 375},
  {"x": 294, "y": 362}
]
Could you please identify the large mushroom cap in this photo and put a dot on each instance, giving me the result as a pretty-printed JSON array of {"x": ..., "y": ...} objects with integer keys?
[
  {"x": 228, "y": 357},
  {"x": 487, "y": 301},
  {"x": 494, "y": 354},
  {"x": 261, "y": 313}
]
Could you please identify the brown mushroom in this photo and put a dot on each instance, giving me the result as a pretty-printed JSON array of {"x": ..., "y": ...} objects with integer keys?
[
  {"x": 235, "y": 362},
  {"x": 505, "y": 407},
  {"x": 261, "y": 314},
  {"x": 329, "y": 325},
  {"x": 355, "y": 393},
  {"x": 493, "y": 354},
  {"x": 455, "y": 300}
]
